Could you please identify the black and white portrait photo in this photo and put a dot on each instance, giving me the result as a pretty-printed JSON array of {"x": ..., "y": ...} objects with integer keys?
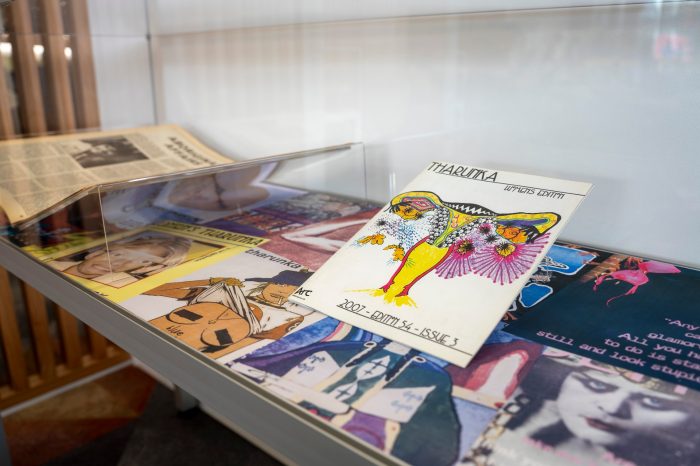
[
  {"x": 573, "y": 410},
  {"x": 96, "y": 152}
]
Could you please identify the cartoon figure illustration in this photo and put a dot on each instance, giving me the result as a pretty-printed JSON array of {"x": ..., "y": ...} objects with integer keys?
[
  {"x": 219, "y": 318},
  {"x": 635, "y": 274},
  {"x": 385, "y": 393},
  {"x": 454, "y": 239}
]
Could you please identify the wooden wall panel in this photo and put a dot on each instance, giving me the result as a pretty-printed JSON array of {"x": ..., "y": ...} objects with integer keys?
[
  {"x": 86, "y": 106},
  {"x": 62, "y": 116},
  {"x": 10, "y": 334},
  {"x": 98, "y": 343},
  {"x": 7, "y": 126},
  {"x": 68, "y": 350},
  {"x": 42, "y": 338},
  {"x": 28, "y": 82},
  {"x": 70, "y": 338}
]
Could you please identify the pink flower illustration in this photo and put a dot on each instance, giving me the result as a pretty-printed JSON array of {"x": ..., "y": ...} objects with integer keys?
[{"x": 503, "y": 261}]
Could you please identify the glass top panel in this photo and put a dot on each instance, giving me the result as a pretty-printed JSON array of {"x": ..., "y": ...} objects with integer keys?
[{"x": 203, "y": 196}]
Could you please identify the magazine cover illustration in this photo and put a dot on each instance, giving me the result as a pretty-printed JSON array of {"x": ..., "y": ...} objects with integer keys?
[
  {"x": 640, "y": 314},
  {"x": 295, "y": 212},
  {"x": 317, "y": 207},
  {"x": 226, "y": 193},
  {"x": 228, "y": 305},
  {"x": 405, "y": 403},
  {"x": 68, "y": 241},
  {"x": 573, "y": 410},
  {"x": 312, "y": 245},
  {"x": 132, "y": 262},
  {"x": 443, "y": 261}
]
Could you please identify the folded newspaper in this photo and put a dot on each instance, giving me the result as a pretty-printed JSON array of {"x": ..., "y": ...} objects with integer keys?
[
  {"x": 41, "y": 175},
  {"x": 438, "y": 267}
]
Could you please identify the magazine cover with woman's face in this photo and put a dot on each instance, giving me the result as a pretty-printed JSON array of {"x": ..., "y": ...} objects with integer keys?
[{"x": 574, "y": 411}]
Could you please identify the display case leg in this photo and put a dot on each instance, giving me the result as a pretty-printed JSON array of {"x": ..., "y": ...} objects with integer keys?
[
  {"x": 183, "y": 400},
  {"x": 4, "y": 447}
]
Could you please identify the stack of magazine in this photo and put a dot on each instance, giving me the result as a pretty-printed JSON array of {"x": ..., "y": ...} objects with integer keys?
[{"x": 445, "y": 325}]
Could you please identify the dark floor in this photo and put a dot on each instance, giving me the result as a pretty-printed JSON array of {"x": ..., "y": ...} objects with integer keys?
[{"x": 124, "y": 419}]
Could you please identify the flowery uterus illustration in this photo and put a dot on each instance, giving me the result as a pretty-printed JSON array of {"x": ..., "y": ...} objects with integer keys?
[{"x": 455, "y": 239}]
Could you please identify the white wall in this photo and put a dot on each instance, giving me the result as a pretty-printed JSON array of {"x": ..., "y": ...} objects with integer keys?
[
  {"x": 604, "y": 94},
  {"x": 120, "y": 43},
  {"x": 124, "y": 81},
  {"x": 118, "y": 18},
  {"x": 180, "y": 16}
]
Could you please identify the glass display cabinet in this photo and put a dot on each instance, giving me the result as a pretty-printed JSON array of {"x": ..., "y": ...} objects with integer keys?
[
  {"x": 80, "y": 264},
  {"x": 358, "y": 97}
]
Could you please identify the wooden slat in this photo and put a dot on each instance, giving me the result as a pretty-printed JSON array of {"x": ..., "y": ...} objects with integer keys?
[
  {"x": 98, "y": 344},
  {"x": 69, "y": 107},
  {"x": 7, "y": 126},
  {"x": 39, "y": 323},
  {"x": 28, "y": 84},
  {"x": 62, "y": 117},
  {"x": 70, "y": 338},
  {"x": 11, "y": 342},
  {"x": 86, "y": 109}
]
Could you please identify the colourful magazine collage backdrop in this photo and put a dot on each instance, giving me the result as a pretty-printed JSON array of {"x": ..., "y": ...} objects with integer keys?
[{"x": 619, "y": 332}]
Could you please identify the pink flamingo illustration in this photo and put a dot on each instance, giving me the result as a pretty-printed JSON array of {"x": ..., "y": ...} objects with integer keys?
[{"x": 635, "y": 277}]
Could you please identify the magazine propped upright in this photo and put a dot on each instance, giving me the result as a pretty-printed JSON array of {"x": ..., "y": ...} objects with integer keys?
[{"x": 440, "y": 264}]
